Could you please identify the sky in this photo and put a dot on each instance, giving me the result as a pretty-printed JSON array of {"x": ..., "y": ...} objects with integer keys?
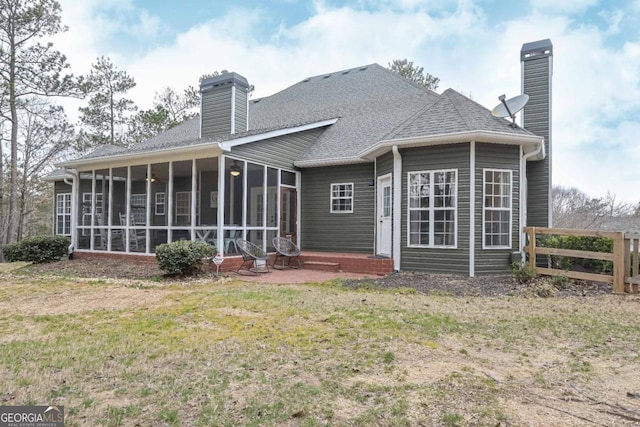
[{"x": 472, "y": 46}]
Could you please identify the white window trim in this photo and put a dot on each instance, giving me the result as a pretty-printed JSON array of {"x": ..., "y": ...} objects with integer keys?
[
  {"x": 66, "y": 212},
  {"x": 332, "y": 198},
  {"x": 163, "y": 203},
  {"x": 432, "y": 210},
  {"x": 485, "y": 208}
]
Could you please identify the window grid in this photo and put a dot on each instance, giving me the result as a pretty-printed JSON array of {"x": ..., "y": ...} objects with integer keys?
[
  {"x": 63, "y": 214},
  {"x": 342, "y": 198},
  {"x": 497, "y": 208},
  {"x": 160, "y": 203},
  {"x": 432, "y": 208}
]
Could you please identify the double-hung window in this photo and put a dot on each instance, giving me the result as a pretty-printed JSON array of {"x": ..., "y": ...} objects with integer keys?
[
  {"x": 496, "y": 224},
  {"x": 432, "y": 208},
  {"x": 342, "y": 198},
  {"x": 63, "y": 214}
]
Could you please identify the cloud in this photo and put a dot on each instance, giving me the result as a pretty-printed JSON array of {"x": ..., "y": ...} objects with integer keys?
[{"x": 596, "y": 84}]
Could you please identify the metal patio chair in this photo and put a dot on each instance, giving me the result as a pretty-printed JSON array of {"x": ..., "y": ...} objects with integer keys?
[
  {"x": 253, "y": 255},
  {"x": 287, "y": 251}
]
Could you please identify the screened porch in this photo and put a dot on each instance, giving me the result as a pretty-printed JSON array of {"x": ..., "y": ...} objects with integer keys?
[{"x": 135, "y": 208}]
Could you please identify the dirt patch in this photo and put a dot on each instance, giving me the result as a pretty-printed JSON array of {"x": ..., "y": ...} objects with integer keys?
[{"x": 487, "y": 286}]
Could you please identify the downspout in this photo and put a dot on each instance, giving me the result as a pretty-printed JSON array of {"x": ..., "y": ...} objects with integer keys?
[
  {"x": 74, "y": 208},
  {"x": 524, "y": 190},
  {"x": 397, "y": 207},
  {"x": 472, "y": 209}
]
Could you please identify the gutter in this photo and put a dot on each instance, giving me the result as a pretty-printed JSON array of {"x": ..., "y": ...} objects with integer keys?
[
  {"x": 74, "y": 207},
  {"x": 397, "y": 207},
  {"x": 524, "y": 189}
]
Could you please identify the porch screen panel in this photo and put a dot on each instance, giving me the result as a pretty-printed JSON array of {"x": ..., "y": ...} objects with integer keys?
[
  {"x": 101, "y": 210},
  {"x": 256, "y": 202},
  {"x": 85, "y": 203},
  {"x": 272, "y": 198},
  {"x": 118, "y": 207},
  {"x": 182, "y": 193},
  {"x": 160, "y": 200},
  {"x": 208, "y": 189},
  {"x": 234, "y": 192}
]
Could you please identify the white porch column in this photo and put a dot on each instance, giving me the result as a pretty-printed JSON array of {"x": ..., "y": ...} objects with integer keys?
[
  {"x": 221, "y": 183},
  {"x": 397, "y": 208}
]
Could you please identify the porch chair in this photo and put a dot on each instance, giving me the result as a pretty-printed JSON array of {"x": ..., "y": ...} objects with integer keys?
[
  {"x": 137, "y": 238},
  {"x": 287, "y": 251},
  {"x": 251, "y": 254}
]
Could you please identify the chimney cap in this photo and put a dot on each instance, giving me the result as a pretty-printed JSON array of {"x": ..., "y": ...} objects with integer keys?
[
  {"x": 535, "y": 50},
  {"x": 223, "y": 79}
]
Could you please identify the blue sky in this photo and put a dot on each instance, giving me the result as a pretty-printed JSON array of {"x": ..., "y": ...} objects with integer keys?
[{"x": 472, "y": 46}]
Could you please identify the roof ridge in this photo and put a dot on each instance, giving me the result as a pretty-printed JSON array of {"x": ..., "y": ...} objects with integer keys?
[
  {"x": 467, "y": 123},
  {"x": 409, "y": 119}
]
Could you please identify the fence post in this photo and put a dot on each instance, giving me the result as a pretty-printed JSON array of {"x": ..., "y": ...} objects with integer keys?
[
  {"x": 619, "y": 263},
  {"x": 532, "y": 247}
]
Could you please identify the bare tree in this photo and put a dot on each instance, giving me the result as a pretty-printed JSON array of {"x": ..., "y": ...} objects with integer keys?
[
  {"x": 572, "y": 208},
  {"x": 27, "y": 68}
]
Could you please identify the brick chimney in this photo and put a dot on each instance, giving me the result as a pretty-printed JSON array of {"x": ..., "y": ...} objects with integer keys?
[
  {"x": 537, "y": 70},
  {"x": 224, "y": 106}
]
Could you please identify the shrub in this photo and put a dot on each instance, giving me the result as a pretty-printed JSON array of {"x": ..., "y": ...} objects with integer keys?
[
  {"x": 183, "y": 257},
  {"x": 38, "y": 249},
  {"x": 523, "y": 272}
]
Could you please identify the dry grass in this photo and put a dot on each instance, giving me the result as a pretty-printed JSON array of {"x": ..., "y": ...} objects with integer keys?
[{"x": 233, "y": 353}]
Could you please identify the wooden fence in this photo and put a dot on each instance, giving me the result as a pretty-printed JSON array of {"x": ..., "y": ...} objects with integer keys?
[{"x": 625, "y": 276}]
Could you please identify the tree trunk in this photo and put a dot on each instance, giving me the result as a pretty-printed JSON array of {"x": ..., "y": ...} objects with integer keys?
[{"x": 13, "y": 180}]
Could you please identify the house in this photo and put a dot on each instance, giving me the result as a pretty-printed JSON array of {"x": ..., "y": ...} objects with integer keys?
[{"x": 355, "y": 161}]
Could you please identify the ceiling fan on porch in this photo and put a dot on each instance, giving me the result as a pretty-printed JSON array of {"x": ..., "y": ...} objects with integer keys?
[{"x": 509, "y": 107}]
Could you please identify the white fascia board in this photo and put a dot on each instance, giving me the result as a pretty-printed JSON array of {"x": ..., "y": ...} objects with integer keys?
[
  {"x": 529, "y": 143},
  {"x": 228, "y": 145},
  {"x": 147, "y": 156}
]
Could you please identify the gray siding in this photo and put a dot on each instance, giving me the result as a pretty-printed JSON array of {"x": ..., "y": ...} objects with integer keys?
[
  {"x": 337, "y": 232},
  {"x": 537, "y": 119},
  {"x": 384, "y": 164},
  {"x": 493, "y": 156},
  {"x": 61, "y": 187},
  {"x": 241, "y": 109},
  {"x": 438, "y": 260},
  {"x": 277, "y": 152},
  {"x": 216, "y": 112}
]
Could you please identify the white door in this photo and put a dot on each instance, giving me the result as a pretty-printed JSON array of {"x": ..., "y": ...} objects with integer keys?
[{"x": 383, "y": 247}]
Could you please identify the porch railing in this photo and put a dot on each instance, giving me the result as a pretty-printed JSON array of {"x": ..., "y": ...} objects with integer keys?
[{"x": 625, "y": 276}]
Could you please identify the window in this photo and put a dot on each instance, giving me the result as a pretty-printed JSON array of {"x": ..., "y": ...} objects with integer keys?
[
  {"x": 183, "y": 207},
  {"x": 63, "y": 214},
  {"x": 432, "y": 208},
  {"x": 160, "y": 204},
  {"x": 138, "y": 210},
  {"x": 342, "y": 198},
  {"x": 496, "y": 224}
]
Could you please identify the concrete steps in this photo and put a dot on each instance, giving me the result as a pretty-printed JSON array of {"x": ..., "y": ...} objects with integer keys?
[{"x": 333, "y": 267}]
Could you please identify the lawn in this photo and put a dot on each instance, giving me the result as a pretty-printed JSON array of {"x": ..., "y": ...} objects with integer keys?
[{"x": 224, "y": 352}]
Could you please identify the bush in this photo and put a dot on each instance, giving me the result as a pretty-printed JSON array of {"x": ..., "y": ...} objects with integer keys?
[
  {"x": 523, "y": 272},
  {"x": 38, "y": 249},
  {"x": 183, "y": 257}
]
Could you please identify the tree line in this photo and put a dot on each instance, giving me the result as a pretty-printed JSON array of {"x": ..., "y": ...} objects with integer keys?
[{"x": 35, "y": 132}]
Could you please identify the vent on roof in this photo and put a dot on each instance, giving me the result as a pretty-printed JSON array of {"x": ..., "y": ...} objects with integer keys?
[
  {"x": 346, "y": 72},
  {"x": 306, "y": 80},
  {"x": 363, "y": 68},
  {"x": 255, "y": 101},
  {"x": 327, "y": 76}
]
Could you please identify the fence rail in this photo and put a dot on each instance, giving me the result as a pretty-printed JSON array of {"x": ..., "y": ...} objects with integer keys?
[{"x": 625, "y": 257}]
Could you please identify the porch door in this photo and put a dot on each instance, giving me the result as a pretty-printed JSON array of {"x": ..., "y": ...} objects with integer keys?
[
  {"x": 383, "y": 246},
  {"x": 289, "y": 214}
]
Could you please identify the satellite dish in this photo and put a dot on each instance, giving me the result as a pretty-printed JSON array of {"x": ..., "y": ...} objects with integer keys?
[{"x": 509, "y": 107}]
